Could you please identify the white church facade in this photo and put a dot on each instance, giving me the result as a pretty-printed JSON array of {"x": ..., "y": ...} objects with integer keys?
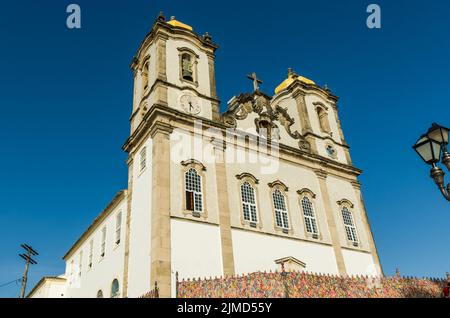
[{"x": 269, "y": 181}]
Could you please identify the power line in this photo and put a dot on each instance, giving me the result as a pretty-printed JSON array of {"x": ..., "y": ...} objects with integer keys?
[{"x": 9, "y": 283}]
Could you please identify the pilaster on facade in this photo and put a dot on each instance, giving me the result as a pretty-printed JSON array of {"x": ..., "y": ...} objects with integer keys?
[
  {"x": 127, "y": 229},
  {"x": 299, "y": 97},
  {"x": 334, "y": 234},
  {"x": 161, "y": 61},
  {"x": 160, "y": 267},
  {"x": 219, "y": 146},
  {"x": 365, "y": 218}
]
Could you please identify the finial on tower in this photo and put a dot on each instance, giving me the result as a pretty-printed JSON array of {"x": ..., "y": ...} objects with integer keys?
[
  {"x": 207, "y": 37},
  {"x": 291, "y": 73},
  {"x": 161, "y": 17}
]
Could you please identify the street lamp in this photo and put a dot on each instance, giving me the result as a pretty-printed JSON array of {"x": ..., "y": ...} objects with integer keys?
[{"x": 431, "y": 147}]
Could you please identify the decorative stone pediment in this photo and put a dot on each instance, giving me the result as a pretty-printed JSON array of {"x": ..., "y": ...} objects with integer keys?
[
  {"x": 290, "y": 264},
  {"x": 268, "y": 114}
]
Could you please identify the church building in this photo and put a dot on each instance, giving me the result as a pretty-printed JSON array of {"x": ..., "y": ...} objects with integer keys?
[{"x": 269, "y": 183}]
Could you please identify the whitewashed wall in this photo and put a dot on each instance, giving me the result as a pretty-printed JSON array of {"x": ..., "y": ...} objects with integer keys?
[
  {"x": 358, "y": 263},
  {"x": 51, "y": 289},
  {"x": 196, "y": 249},
  {"x": 104, "y": 269},
  {"x": 258, "y": 252},
  {"x": 140, "y": 226}
]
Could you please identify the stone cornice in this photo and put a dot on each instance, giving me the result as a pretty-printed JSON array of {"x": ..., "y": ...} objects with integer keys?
[
  {"x": 168, "y": 114},
  {"x": 219, "y": 144},
  {"x": 356, "y": 184},
  {"x": 310, "y": 133},
  {"x": 321, "y": 174},
  {"x": 159, "y": 81},
  {"x": 160, "y": 127}
]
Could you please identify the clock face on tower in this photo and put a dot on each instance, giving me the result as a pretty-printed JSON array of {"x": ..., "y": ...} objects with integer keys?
[{"x": 190, "y": 104}]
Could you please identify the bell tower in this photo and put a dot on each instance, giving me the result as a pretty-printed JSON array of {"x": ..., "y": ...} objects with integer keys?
[{"x": 174, "y": 67}]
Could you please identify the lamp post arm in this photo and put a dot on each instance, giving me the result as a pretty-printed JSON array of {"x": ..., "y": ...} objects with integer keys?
[
  {"x": 446, "y": 159},
  {"x": 446, "y": 192},
  {"x": 438, "y": 176}
]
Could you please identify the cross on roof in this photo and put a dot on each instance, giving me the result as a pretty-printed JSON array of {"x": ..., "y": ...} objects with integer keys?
[{"x": 256, "y": 81}]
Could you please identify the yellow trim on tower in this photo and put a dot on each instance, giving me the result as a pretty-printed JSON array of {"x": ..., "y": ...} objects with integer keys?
[
  {"x": 179, "y": 24},
  {"x": 292, "y": 77}
]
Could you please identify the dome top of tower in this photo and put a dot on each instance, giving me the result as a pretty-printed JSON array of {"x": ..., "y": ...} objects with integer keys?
[
  {"x": 292, "y": 77},
  {"x": 179, "y": 24}
]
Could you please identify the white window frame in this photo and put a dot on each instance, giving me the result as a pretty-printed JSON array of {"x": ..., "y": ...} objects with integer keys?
[
  {"x": 80, "y": 263},
  {"x": 91, "y": 252},
  {"x": 281, "y": 214},
  {"x": 252, "y": 215},
  {"x": 143, "y": 159},
  {"x": 349, "y": 225},
  {"x": 118, "y": 228},
  {"x": 103, "y": 245},
  {"x": 194, "y": 185},
  {"x": 309, "y": 216}
]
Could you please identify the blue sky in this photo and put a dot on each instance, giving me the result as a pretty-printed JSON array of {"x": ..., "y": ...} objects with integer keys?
[{"x": 65, "y": 99}]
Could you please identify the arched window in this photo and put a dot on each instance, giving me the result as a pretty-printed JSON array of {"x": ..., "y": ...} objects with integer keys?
[
  {"x": 323, "y": 120},
  {"x": 99, "y": 294},
  {"x": 115, "y": 289},
  {"x": 193, "y": 187},
  {"x": 188, "y": 65},
  {"x": 281, "y": 212},
  {"x": 310, "y": 217},
  {"x": 249, "y": 203},
  {"x": 187, "y": 70},
  {"x": 349, "y": 224}
]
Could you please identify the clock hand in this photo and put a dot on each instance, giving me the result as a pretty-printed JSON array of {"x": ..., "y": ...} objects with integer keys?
[{"x": 190, "y": 106}]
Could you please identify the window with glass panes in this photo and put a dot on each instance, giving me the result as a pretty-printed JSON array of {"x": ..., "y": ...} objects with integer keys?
[
  {"x": 310, "y": 218},
  {"x": 249, "y": 203},
  {"x": 103, "y": 246},
  {"x": 91, "y": 251},
  {"x": 281, "y": 213},
  {"x": 350, "y": 228},
  {"x": 118, "y": 227},
  {"x": 193, "y": 186},
  {"x": 143, "y": 159},
  {"x": 80, "y": 263},
  {"x": 115, "y": 289}
]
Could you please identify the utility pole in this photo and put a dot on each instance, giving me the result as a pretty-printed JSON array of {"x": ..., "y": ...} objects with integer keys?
[{"x": 28, "y": 261}]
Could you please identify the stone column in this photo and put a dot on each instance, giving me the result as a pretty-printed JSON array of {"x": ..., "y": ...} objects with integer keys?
[
  {"x": 127, "y": 228},
  {"x": 322, "y": 176},
  {"x": 213, "y": 90},
  {"x": 373, "y": 249},
  {"x": 224, "y": 208},
  {"x": 303, "y": 112},
  {"x": 161, "y": 57},
  {"x": 341, "y": 134},
  {"x": 299, "y": 97},
  {"x": 161, "y": 70},
  {"x": 160, "y": 252}
]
